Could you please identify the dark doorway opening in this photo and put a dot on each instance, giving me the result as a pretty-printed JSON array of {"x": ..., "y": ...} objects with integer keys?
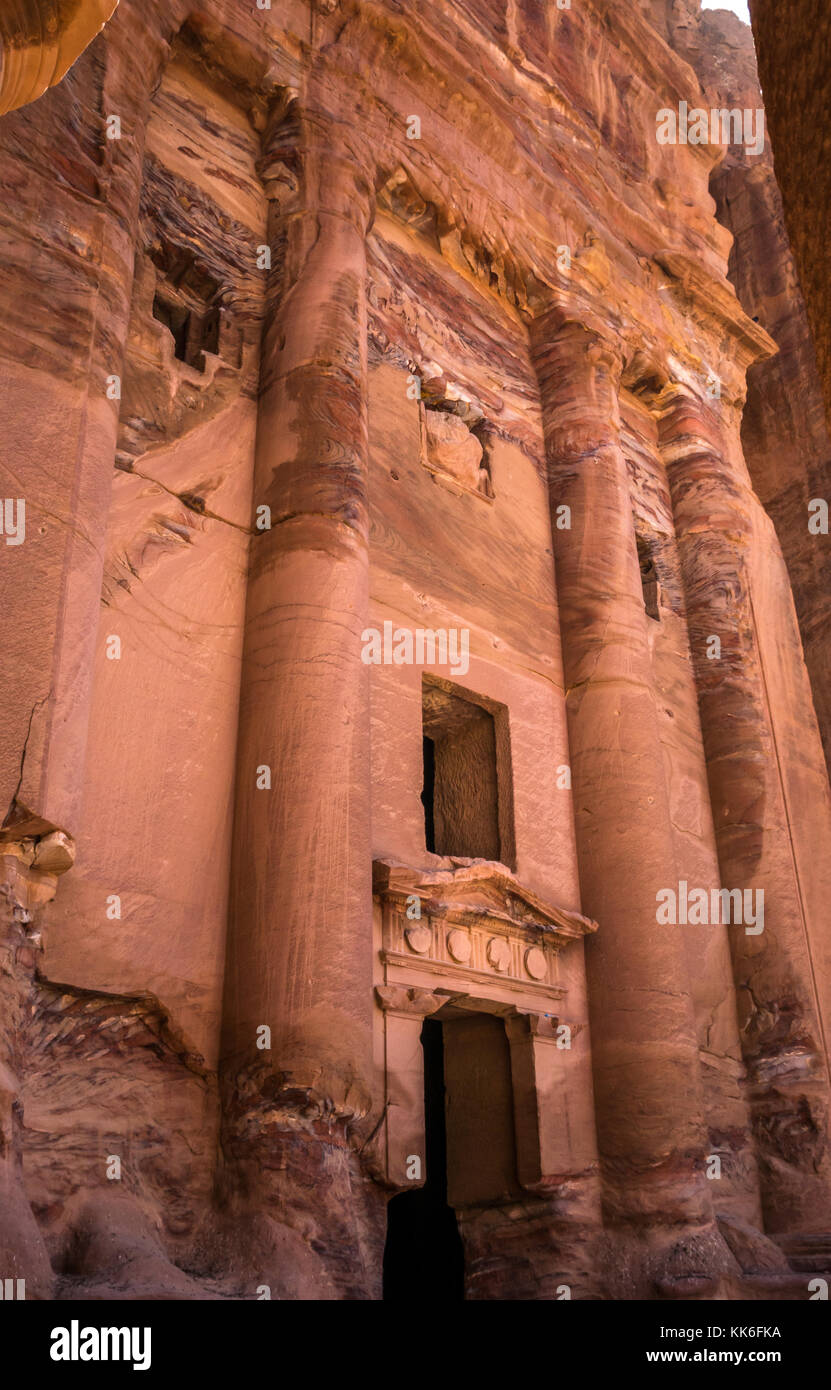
[
  {"x": 176, "y": 319},
  {"x": 424, "y": 1256},
  {"x": 428, "y": 793}
]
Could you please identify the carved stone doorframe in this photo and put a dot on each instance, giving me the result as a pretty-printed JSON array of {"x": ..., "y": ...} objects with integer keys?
[{"x": 470, "y": 939}]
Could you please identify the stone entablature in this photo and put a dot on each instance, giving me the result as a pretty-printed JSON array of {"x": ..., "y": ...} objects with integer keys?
[{"x": 479, "y": 930}]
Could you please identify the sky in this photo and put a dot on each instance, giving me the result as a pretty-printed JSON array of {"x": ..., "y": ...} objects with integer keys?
[{"x": 738, "y": 7}]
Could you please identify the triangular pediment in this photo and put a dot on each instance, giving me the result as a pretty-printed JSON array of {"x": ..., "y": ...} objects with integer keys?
[{"x": 472, "y": 891}]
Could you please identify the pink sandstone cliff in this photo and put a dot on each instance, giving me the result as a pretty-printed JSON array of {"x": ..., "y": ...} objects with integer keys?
[
  {"x": 363, "y": 312},
  {"x": 784, "y": 431}
]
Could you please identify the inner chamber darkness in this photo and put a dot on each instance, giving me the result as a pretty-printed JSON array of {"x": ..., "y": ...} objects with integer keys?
[
  {"x": 460, "y": 795},
  {"x": 428, "y": 793},
  {"x": 424, "y": 1256}
]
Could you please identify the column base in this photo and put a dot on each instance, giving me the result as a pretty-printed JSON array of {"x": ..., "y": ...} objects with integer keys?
[
  {"x": 300, "y": 1215},
  {"x": 546, "y": 1248}
]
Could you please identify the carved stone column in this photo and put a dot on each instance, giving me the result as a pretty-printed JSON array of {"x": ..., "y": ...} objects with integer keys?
[
  {"x": 780, "y": 955},
  {"x": 645, "y": 1055},
  {"x": 300, "y": 936}
]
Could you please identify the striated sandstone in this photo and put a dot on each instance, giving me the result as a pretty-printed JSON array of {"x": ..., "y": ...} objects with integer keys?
[
  {"x": 794, "y": 47},
  {"x": 785, "y": 437},
  {"x": 391, "y": 315},
  {"x": 39, "y": 42}
]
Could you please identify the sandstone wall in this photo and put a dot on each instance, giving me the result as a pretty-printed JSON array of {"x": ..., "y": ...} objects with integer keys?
[
  {"x": 199, "y": 771},
  {"x": 784, "y": 430},
  {"x": 794, "y": 46}
]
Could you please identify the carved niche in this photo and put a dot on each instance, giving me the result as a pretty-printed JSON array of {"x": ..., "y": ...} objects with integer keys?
[{"x": 455, "y": 443}]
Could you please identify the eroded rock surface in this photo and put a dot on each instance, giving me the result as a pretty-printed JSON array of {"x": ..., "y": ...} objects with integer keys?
[
  {"x": 794, "y": 48},
  {"x": 39, "y": 42},
  {"x": 396, "y": 615},
  {"x": 784, "y": 426}
]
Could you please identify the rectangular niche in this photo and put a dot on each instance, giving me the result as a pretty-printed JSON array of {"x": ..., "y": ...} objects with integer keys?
[
  {"x": 186, "y": 301},
  {"x": 468, "y": 790},
  {"x": 649, "y": 579}
]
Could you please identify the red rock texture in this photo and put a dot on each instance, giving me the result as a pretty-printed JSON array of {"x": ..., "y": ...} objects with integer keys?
[
  {"x": 39, "y": 42},
  {"x": 785, "y": 436},
  {"x": 382, "y": 317},
  {"x": 794, "y": 48}
]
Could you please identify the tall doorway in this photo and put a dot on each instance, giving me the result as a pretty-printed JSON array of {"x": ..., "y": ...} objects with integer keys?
[
  {"x": 471, "y": 1154},
  {"x": 423, "y": 1255}
]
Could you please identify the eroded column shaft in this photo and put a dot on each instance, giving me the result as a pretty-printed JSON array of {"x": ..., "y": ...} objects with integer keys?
[
  {"x": 300, "y": 934},
  {"x": 297, "y": 1031},
  {"x": 725, "y": 542},
  {"x": 644, "y": 1049}
]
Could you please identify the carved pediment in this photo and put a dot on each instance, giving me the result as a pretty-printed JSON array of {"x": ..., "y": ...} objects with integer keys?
[{"x": 476, "y": 892}]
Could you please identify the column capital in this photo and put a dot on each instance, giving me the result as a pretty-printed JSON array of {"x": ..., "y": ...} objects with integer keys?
[
  {"x": 312, "y": 163},
  {"x": 579, "y": 366},
  {"x": 40, "y": 40},
  {"x": 674, "y": 393},
  {"x": 578, "y": 329},
  {"x": 579, "y": 362},
  {"x": 688, "y": 423}
]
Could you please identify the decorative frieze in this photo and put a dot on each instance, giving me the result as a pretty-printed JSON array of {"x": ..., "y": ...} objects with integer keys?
[{"x": 473, "y": 922}]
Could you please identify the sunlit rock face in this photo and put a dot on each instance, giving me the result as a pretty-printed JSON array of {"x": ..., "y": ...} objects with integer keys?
[
  {"x": 416, "y": 834},
  {"x": 39, "y": 42},
  {"x": 784, "y": 426},
  {"x": 794, "y": 47}
]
